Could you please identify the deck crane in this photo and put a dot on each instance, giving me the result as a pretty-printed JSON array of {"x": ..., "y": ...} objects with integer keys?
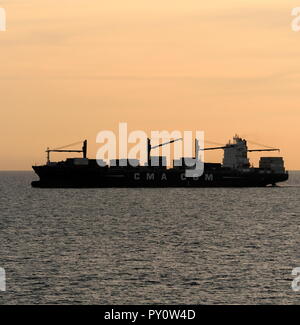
[
  {"x": 197, "y": 148},
  {"x": 240, "y": 140},
  {"x": 149, "y": 147},
  {"x": 232, "y": 145},
  {"x": 249, "y": 150},
  {"x": 83, "y": 150},
  {"x": 216, "y": 148},
  {"x": 258, "y": 150}
]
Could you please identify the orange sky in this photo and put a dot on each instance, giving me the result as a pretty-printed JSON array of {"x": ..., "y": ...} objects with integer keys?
[{"x": 70, "y": 68}]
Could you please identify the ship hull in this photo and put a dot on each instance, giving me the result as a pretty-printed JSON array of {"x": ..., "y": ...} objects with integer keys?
[{"x": 86, "y": 177}]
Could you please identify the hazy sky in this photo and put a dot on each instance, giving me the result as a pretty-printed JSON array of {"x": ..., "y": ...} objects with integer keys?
[{"x": 71, "y": 68}]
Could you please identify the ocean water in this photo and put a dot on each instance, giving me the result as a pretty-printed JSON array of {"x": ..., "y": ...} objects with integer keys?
[{"x": 148, "y": 246}]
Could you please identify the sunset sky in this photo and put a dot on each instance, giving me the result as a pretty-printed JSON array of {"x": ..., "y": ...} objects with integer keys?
[{"x": 71, "y": 68}]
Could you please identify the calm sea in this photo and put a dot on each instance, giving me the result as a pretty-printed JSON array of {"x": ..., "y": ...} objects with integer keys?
[{"x": 146, "y": 246}]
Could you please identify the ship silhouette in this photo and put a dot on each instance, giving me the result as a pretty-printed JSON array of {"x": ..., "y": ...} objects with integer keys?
[{"x": 234, "y": 171}]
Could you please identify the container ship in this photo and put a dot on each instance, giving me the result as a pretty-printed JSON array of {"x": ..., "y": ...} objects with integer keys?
[{"x": 234, "y": 171}]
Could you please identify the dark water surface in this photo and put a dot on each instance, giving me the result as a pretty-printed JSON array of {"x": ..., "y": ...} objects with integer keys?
[{"x": 142, "y": 246}]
